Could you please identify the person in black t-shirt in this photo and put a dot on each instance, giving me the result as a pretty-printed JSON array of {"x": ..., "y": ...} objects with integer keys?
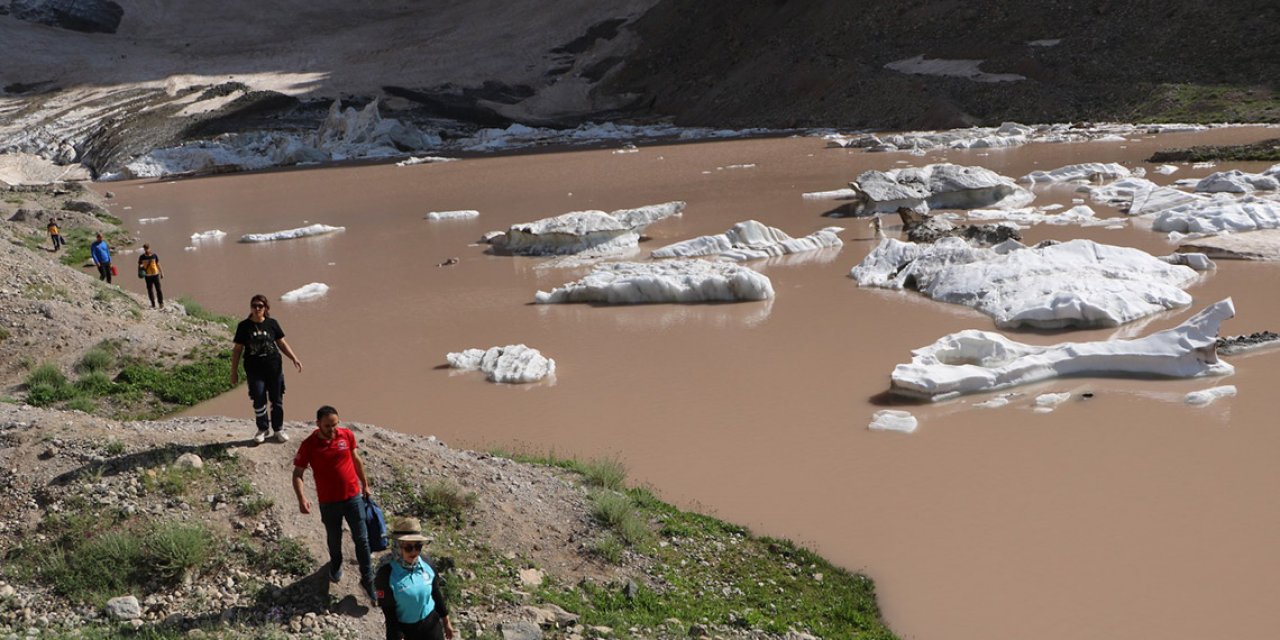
[
  {"x": 149, "y": 269},
  {"x": 260, "y": 340}
]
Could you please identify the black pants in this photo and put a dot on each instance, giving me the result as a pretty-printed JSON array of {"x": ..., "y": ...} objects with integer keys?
[
  {"x": 104, "y": 272},
  {"x": 57, "y": 241},
  {"x": 428, "y": 628},
  {"x": 263, "y": 386},
  {"x": 153, "y": 290}
]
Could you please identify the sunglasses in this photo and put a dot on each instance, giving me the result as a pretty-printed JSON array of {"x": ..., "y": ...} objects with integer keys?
[
  {"x": 257, "y": 306},
  {"x": 411, "y": 546}
]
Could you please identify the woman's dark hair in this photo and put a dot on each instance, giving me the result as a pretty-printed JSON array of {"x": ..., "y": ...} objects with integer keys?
[
  {"x": 326, "y": 410},
  {"x": 266, "y": 305}
]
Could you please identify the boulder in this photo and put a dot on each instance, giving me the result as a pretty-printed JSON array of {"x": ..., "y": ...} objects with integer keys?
[{"x": 123, "y": 608}]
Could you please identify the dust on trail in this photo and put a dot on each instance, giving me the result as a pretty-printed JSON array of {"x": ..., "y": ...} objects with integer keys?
[{"x": 1126, "y": 515}]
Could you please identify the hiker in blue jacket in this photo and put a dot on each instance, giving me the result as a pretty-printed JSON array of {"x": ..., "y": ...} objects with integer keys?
[
  {"x": 100, "y": 253},
  {"x": 409, "y": 588}
]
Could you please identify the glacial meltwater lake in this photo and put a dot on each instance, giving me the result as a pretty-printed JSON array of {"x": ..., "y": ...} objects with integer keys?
[{"x": 1130, "y": 514}]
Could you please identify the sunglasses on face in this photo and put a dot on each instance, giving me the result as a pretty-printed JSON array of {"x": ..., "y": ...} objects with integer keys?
[
  {"x": 257, "y": 306},
  {"x": 411, "y": 546}
]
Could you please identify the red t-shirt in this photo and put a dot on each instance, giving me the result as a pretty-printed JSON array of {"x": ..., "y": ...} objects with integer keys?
[{"x": 330, "y": 462}]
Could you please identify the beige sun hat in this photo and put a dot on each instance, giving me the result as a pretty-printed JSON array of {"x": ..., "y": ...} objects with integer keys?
[{"x": 407, "y": 529}]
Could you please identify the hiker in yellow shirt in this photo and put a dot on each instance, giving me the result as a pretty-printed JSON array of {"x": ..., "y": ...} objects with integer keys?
[
  {"x": 149, "y": 268},
  {"x": 55, "y": 234}
]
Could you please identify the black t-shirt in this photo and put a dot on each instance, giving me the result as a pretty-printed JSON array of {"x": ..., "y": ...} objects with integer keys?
[
  {"x": 259, "y": 341},
  {"x": 149, "y": 263}
]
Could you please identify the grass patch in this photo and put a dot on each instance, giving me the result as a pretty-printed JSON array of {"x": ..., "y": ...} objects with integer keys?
[
  {"x": 114, "y": 447},
  {"x": 44, "y": 291},
  {"x": 286, "y": 555},
  {"x": 617, "y": 511},
  {"x": 605, "y": 473},
  {"x": 97, "y": 555},
  {"x": 254, "y": 506},
  {"x": 198, "y": 312},
  {"x": 78, "y": 239},
  {"x": 96, "y": 360},
  {"x": 1199, "y": 103},
  {"x": 4, "y": 334},
  {"x": 1264, "y": 151}
]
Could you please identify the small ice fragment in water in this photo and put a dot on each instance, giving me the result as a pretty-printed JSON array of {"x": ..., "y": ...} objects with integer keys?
[
  {"x": 308, "y": 292},
  {"x": 1048, "y": 401},
  {"x": 890, "y": 420},
  {"x": 1201, "y": 398}
]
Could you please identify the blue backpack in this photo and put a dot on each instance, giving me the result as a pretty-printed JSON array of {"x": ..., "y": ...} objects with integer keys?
[{"x": 376, "y": 525}]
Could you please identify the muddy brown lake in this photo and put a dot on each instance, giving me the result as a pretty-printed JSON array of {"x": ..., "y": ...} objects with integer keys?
[{"x": 1129, "y": 514}]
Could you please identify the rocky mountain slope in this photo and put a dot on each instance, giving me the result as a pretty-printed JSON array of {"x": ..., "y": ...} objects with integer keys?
[{"x": 100, "y": 82}]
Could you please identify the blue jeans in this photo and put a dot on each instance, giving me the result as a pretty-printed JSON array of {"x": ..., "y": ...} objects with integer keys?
[{"x": 332, "y": 514}]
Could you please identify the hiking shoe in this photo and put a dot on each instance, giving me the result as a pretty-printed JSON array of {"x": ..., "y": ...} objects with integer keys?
[
  {"x": 335, "y": 576},
  {"x": 281, "y": 436},
  {"x": 371, "y": 592},
  {"x": 261, "y": 437}
]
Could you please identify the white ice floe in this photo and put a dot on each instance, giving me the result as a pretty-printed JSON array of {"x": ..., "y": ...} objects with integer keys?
[
  {"x": 514, "y": 363},
  {"x": 1197, "y": 261},
  {"x": 736, "y": 166},
  {"x": 1237, "y": 181},
  {"x": 1086, "y": 172},
  {"x": 968, "y": 69},
  {"x": 1207, "y": 396},
  {"x": 190, "y": 248},
  {"x": 1047, "y": 402},
  {"x": 1001, "y": 400},
  {"x": 1078, "y": 215},
  {"x": 938, "y": 186},
  {"x": 579, "y": 231},
  {"x": 1249, "y": 245},
  {"x": 308, "y": 292},
  {"x": 836, "y": 194},
  {"x": 412, "y": 160},
  {"x": 891, "y": 420},
  {"x": 466, "y": 214},
  {"x": 1166, "y": 169},
  {"x": 1220, "y": 214},
  {"x": 1139, "y": 196},
  {"x": 290, "y": 234},
  {"x": 1111, "y": 138},
  {"x": 626, "y": 148},
  {"x": 679, "y": 280},
  {"x": 1079, "y": 283},
  {"x": 1204, "y": 165},
  {"x": 973, "y": 361},
  {"x": 750, "y": 240},
  {"x": 152, "y": 220},
  {"x": 213, "y": 234}
]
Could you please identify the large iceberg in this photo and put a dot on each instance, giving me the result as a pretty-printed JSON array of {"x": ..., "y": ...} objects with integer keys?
[
  {"x": 1237, "y": 181},
  {"x": 973, "y": 361},
  {"x": 680, "y": 280},
  {"x": 290, "y": 234},
  {"x": 579, "y": 231},
  {"x": 750, "y": 240},
  {"x": 1088, "y": 172},
  {"x": 1080, "y": 283},
  {"x": 1222, "y": 213},
  {"x": 514, "y": 363},
  {"x": 308, "y": 292},
  {"x": 937, "y": 186}
]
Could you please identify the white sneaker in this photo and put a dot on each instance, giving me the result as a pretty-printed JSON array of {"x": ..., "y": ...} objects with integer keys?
[
  {"x": 281, "y": 436},
  {"x": 261, "y": 437}
]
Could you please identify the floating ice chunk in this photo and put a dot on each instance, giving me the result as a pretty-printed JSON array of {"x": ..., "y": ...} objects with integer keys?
[
  {"x": 1221, "y": 213},
  {"x": 579, "y": 231},
  {"x": 453, "y": 215},
  {"x": 1166, "y": 169},
  {"x": 750, "y": 240},
  {"x": 208, "y": 235},
  {"x": 1197, "y": 261},
  {"x": 1079, "y": 283},
  {"x": 1111, "y": 138},
  {"x": 940, "y": 186},
  {"x": 1079, "y": 214},
  {"x": 514, "y": 363},
  {"x": 1249, "y": 245},
  {"x": 891, "y": 420},
  {"x": 837, "y": 194},
  {"x": 1089, "y": 171},
  {"x": 1204, "y": 165},
  {"x": 973, "y": 361},
  {"x": 678, "y": 280},
  {"x": 189, "y": 248},
  {"x": 307, "y": 292},
  {"x": 736, "y": 166},
  {"x": 290, "y": 234},
  {"x": 996, "y": 402},
  {"x": 1207, "y": 396},
  {"x": 626, "y": 148},
  {"x": 152, "y": 220},
  {"x": 1237, "y": 181},
  {"x": 412, "y": 160},
  {"x": 1047, "y": 402}
]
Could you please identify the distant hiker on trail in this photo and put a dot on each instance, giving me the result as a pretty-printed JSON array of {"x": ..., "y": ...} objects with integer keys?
[
  {"x": 149, "y": 269},
  {"x": 341, "y": 489},
  {"x": 409, "y": 588},
  {"x": 260, "y": 339},
  {"x": 55, "y": 234},
  {"x": 100, "y": 253}
]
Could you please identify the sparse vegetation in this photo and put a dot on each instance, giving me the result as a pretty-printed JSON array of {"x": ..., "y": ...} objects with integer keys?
[
  {"x": 1264, "y": 151},
  {"x": 1209, "y": 103},
  {"x": 194, "y": 310}
]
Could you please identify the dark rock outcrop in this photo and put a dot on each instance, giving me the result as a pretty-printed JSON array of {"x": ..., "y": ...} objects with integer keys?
[{"x": 89, "y": 16}]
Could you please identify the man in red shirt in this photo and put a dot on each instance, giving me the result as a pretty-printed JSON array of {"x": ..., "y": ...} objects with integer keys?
[{"x": 341, "y": 489}]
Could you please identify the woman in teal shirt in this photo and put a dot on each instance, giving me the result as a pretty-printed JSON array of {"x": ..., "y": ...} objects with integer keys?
[{"x": 409, "y": 589}]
